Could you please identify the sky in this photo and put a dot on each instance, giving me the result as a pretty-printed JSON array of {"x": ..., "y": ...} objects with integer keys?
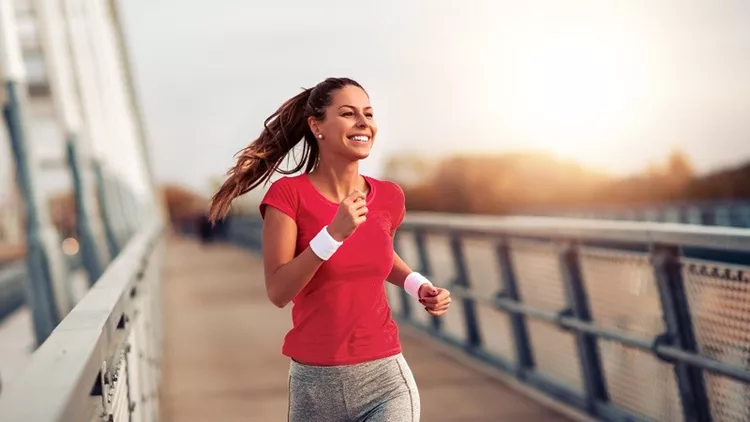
[{"x": 615, "y": 85}]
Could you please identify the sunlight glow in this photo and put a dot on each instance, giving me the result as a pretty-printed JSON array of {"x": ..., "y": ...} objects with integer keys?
[{"x": 571, "y": 95}]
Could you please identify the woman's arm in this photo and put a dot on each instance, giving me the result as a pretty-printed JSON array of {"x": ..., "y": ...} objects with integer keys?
[
  {"x": 399, "y": 272},
  {"x": 436, "y": 300},
  {"x": 286, "y": 275}
]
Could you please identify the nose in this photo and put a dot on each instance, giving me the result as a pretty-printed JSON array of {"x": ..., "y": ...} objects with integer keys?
[{"x": 361, "y": 122}]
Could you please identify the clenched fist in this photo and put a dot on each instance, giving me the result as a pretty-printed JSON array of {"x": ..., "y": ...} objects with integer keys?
[
  {"x": 351, "y": 213},
  {"x": 436, "y": 301}
]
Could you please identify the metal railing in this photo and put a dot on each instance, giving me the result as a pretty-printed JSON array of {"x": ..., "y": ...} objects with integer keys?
[
  {"x": 12, "y": 287},
  {"x": 729, "y": 213},
  {"x": 102, "y": 362},
  {"x": 620, "y": 320}
]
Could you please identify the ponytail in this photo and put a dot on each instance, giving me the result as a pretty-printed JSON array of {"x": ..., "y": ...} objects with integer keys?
[
  {"x": 257, "y": 162},
  {"x": 283, "y": 130}
]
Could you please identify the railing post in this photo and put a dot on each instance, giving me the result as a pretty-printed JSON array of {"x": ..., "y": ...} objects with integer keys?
[
  {"x": 666, "y": 262},
  {"x": 525, "y": 360},
  {"x": 105, "y": 210},
  {"x": 130, "y": 209},
  {"x": 735, "y": 215},
  {"x": 48, "y": 293},
  {"x": 473, "y": 337},
  {"x": 588, "y": 352},
  {"x": 127, "y": 209},
  {"x": 405, "y": 298},
  {"x": 425, "y": 268},
  {"x": 122, "y": 229},
  {"x": 93, "y": 255}
]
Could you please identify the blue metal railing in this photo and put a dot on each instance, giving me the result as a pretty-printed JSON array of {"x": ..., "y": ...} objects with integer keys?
[
  {"x": 12, "y": 288},
  {"x": 120, "y": 214},
  {"x": 620, "y": 320},
  {"x": 728, "y": 213}
]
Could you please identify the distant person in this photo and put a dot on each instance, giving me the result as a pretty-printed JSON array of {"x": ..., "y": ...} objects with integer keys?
[
  {"x": 205, "y": 229},
  {"x": 328, "y": 248}
]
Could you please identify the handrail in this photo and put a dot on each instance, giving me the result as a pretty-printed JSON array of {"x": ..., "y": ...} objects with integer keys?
[
  {"x": 80, "y": 359},
  {"x": 719, "y": 212},
  {"x": 571, "y": 326},
  {"x": 725, "y": 238}
]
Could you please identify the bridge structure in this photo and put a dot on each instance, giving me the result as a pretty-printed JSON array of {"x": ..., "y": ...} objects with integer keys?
[{"x": 121, "y": 316}]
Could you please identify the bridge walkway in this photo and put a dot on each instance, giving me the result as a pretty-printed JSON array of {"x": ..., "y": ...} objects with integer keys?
[{"x": 222, "y": 343}]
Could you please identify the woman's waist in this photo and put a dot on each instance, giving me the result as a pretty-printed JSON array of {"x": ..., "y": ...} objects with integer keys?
[{"x": 311, "y": 369}]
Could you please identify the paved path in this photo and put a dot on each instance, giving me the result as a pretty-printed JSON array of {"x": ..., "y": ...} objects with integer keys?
[{"x": 223, "y": 362}]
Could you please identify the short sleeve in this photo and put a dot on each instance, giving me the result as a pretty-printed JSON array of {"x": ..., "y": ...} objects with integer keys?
[
  {"x": 282, "y": 196},
  {"x": 399, "y": 207}
]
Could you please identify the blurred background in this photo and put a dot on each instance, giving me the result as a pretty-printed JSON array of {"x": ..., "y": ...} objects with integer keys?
[
  {"x": 602, "y": 110},
  {"x": 535, "y": 106}
]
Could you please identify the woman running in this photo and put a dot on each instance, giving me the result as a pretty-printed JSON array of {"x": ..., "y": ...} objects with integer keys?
[{"x": 328, "y": 248}]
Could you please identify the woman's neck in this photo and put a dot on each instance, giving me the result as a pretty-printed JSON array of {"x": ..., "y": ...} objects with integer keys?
[{"x": 338, "y": 180}]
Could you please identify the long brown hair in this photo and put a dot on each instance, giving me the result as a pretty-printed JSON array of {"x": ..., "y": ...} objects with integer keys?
[{"x": 283, "y": 130}]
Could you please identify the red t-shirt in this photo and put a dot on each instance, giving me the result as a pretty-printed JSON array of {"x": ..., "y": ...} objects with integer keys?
[{"x": 342, "y": 315}]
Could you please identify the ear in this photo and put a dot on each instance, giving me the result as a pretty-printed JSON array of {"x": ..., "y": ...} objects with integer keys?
[{"x": 314, "y": 125}]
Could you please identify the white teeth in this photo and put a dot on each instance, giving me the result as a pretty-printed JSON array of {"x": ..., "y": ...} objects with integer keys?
[{"x": 360, "y": 138}]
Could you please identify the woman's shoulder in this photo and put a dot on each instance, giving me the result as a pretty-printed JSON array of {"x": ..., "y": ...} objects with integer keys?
[
  {"x": 288, "y": 180},
  {"x": 285, "y": 185},
  {"x": 282, "y": 194},
  {"x": 386, "y": 187}
]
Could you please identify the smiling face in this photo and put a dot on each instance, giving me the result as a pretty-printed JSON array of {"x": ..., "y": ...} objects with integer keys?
[{"x": 348, "y": 127}]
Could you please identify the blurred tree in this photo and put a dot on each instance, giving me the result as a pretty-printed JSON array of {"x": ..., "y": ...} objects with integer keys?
[
  {"x": 531, "y": 182},
  {"x": 409, "y": 169},
  {"x": 502, "y": 184},
  {"x": 183, "y": 205},
  {"x": 731, "y": 183},
  {"x": 662, "y": 182},
  {"x": 679, "y": 166}
]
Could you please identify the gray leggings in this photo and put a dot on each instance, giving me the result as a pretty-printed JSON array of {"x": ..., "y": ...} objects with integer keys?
[{"x": 377, "y": 391}]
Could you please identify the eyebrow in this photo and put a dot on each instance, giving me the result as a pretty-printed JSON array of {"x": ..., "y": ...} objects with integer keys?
[{"x": 351, "y": 106}]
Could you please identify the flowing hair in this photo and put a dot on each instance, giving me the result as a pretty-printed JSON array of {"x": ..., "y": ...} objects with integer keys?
[{"x": 283, "y": 130}]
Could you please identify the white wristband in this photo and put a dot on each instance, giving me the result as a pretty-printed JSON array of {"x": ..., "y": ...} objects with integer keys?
[
  {"x": 413, "y": 282},
  {"x": 323, "y": 245}
]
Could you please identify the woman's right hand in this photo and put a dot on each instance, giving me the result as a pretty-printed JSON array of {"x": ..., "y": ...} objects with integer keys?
[{"x": 351, "y": 213}]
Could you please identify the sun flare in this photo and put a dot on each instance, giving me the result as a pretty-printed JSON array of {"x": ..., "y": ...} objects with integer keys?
[{"x": 570, "y": 95}]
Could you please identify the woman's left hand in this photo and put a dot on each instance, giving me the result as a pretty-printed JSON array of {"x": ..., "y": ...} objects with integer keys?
[{"x": 435, "y": 300}]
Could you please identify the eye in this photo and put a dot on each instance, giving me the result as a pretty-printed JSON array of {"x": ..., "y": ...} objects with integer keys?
[
  {"x": 347, "y": 114},
  {"x": 369, "y": 115}
]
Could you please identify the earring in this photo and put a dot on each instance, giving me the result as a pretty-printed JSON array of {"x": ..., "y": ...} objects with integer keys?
[{"x": 320, "y": 136}]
